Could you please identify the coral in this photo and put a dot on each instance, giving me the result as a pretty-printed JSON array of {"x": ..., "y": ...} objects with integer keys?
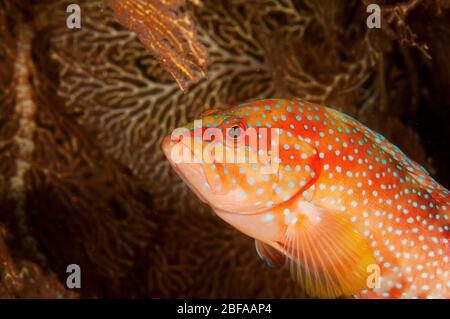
[
  {"x": 253, "y": 53},
  {"x": 83, "y": 111},
  {"x": 168, "y": 34},
  {"x": 24, "y": 279},
  {"x": 64, "y": 200}
]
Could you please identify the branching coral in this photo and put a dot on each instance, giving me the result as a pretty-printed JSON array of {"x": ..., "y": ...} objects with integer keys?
[
  {"x": 20, "y": 275},
  {"x": 167, "y": 33},
  {"x": 24, "y": 279},
  {"x": 396, "y": 26},
  {"x": 66, "y": 201}
]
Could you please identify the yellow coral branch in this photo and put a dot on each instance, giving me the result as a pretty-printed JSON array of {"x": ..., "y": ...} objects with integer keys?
[{"x": 168, "y": 34}]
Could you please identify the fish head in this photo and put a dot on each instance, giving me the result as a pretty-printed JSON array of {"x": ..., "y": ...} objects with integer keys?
[{"x": 246, "y": 159}]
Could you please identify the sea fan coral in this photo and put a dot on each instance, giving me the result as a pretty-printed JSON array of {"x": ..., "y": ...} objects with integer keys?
[{"x": 54, "y": 174}]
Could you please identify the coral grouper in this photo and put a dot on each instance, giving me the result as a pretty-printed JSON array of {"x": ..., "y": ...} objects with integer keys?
[{"x": 349, "y": 211}]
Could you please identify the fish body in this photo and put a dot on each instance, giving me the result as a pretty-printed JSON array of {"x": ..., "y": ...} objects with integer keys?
[{"x": 349, "y": 211}]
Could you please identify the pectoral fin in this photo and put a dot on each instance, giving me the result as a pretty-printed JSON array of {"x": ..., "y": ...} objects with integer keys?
[
  {"x": 327, "y": 256},
  {"x": 269, "y": 254}
]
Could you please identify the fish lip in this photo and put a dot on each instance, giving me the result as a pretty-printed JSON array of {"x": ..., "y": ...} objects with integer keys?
[
  {"x": 183, "y": 177},
  {"x": 203, "y": 179},
  {"x": 199, "y": 174},
  {"x": 258, "y": 212},
  {"x": 204, "y": 199}
]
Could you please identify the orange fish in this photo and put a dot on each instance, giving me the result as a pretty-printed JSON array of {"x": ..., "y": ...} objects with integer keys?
[{"x": 348, "y": 210}]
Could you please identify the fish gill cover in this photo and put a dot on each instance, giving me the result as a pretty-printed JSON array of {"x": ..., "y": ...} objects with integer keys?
[{"x": 82, "y": 114}]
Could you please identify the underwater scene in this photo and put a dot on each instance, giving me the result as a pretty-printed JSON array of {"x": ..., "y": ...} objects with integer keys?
[{"x": 242, "y": 149}]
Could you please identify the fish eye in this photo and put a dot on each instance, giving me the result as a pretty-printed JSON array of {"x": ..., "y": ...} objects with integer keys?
[{"x": 234, "y": 132}]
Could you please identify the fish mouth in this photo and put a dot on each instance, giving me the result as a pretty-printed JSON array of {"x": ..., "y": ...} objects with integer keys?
[
  {"x": 186, "y": 176},
  {"x": 183, "y": 175},
  {"x": 189, "y": 175},
  {"x": 244, "y": 213},
  {"x": 196, "y": 180}
]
